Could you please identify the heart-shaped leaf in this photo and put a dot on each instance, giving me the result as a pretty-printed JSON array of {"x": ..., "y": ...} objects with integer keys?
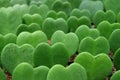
[
  {"x": 23, "y": 71},
  {"x": 10, "y": 19},
  {"x": 74, "y": 22},
  {"x": 75, "y": 3},
  {"x": 116, "y": 59},
  {"x": 21, "y": 9},
  {"x": 59, "y": 72},
  {"x": 41, "y": 10},
  {"x": 116, "y": 75},
  {"x": 30, "y": 28},
  {"x": 31, "y": 38},
  {"x": 109, "y": 5},
  {"x": 92, "y": 6},
  {"x": 79, "y": 13},
  {"x": 67, "y": 39},
  {"x": 40, "y": 73},
  {"x": 59, "y": 5},
  {"x": 35, "y": 18},
  {"x": 2, "y": 75},
  {"x": 97, "y": 67},
  {"x": 84, "y": 31},
  {"x": 105, "y": 28},
  {"x": 50, "y": 55},
  {"x": 114, "y": 40},
  {"x": 6, "y": 39},
  {"x": 12, "y": 55},
  {"x": 94, "y": 46},
  {"x": 56, "y": 15},
  {"x": 101, "y": 16},
  {"x": 49, "y": 3},
  {"x": 51, "y": 25}
]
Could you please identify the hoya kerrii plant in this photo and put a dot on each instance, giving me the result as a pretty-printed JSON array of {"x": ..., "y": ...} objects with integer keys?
[
  {"x": 108, "y": 5},
  {"x": 67, "y": 39},
  {"x": 55, "y": 15},
  {"x": 114, "y": 40},
  {"x": 101, "y": 16},
  {"x": 116, "y": 75},
  {"x": 41, "y": 10},
  {"x": 60, "y": 5},
  {"x": 74, "y": 22},
  {"x": 106, "y": 28},
  {"x": 40, "y": 38},
  {"x": 35, "y": 18},
  {"x": 31, "y": 38},
  {"x": 25, "y": 71},
  {"x": 51, "y": 25},
  {"x": 94, "y": 46},
  {"x": 28, "y": 28},
  {"x": 84, "y": 31},
  {"x": 47, "y": 55},
  {"x": 58, "y": 72},
  {"x": 12, "y": 55},
  {"x": 116, "y": 59},
  {"x": 79, "y": 13},
  {"x": 6, "y": 39},
  {"x": 100, "y": 65},
  {"x": 92, "y": 6}
]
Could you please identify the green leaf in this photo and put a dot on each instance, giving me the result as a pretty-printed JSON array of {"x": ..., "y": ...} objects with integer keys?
[
  {"x": 58, "y": 72},
  {"x": 109, "y": 5},
  {"x": 75, "y": 3},
  {"x": 101, "y": 16},
  {"x": 31, "y": 38},
  {"x": 114, "y": 40},
  {"x": 100, "y": 65},
  {"x": 6, "y": 39},
  {"x": 12, "y": 55},
  {"x": 30, "y": 28},
  {"x": 41, "y": 10},
  {"x": 35, "y": 18},
  {"x": 84, "y": 31},
  {"x": 40, "y": 73},
  {"x": 79, "y": 13},
  {"x": 105, "y": 28},
  {"x": 9, "y": 21},
  {"x": 74, "y": 22},
  {"x": 55, "y": 15},
  {"x": 92, "y": 6},
  {"x": 51, "y": 25},
  {"x": 2, "y": 75},
  {"x": 59, "y": 5},
  {"x": 116, "y": 75},
  {"x": 47, "y": 55},
  {"x": 67, "y": 39},
  {"x": 23, "y": 71},
  {"x": 94, "y": 46},
  {"x": 116, "y": 59}
]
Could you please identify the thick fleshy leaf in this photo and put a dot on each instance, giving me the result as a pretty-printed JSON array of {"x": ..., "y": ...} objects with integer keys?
[
  {"x": 67, "y": 39},
  {"x": 31, "y": 38},
  {"x": 12, "y": 55},
  {"x": 100, "y": 65},
  {"x": 47, "y": 55}
]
